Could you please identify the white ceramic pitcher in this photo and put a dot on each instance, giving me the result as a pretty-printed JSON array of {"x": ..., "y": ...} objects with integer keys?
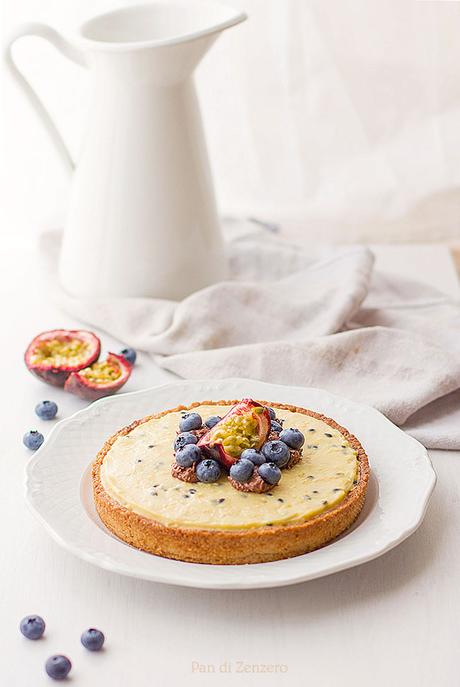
[{"x": 142, "y": 219}]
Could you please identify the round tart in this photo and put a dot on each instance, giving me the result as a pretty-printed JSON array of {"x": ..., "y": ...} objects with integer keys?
[{"x": 139, "y": 500}]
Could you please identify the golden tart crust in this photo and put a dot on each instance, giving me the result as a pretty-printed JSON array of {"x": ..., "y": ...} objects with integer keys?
[{"x": 231, "y": 547}]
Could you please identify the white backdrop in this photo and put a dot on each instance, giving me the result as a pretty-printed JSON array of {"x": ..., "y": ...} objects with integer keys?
[{"x": 341, "y": 119}]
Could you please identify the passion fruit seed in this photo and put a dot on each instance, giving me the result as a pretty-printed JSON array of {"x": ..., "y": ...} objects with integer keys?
[
  {"x": 238, "y": 433},
  {"x": 101, "y": 372},
  {"x": 57, "y": 352}
]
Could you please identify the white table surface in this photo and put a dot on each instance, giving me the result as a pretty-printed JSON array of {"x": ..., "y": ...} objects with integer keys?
[{"x": 393, "y": 621}]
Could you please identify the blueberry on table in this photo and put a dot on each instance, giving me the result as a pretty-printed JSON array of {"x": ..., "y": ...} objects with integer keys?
[
  {"x": 184, "y": 439},
  {"x": 276, "y": 452},
  {"x": 213, "y": 420},
  {"x": 58, "y": 667},
  {"x": 293, "y": 438},
  {"x": 270, "y": 473},
  {"x": 46, "y": 410},
  {"x": 275, "y": 426},
  {"x": 242, "y": 470},
  {"x": 92, "y": 639},
  {"x": 130, "y": 355},
  {"x": 188, "y": 455},
  {"x": 254, "y": 456},
  {"x": 33, "y": 439},
  {"x": 32, "y": 626},
  {"x": 190, "y": 421},
  {"x": 208, "y": 470}
]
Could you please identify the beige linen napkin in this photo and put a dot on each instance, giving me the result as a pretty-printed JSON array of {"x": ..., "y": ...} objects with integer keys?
[{"x": 285, "y": 317}]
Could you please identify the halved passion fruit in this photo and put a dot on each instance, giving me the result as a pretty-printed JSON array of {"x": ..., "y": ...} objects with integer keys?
[
  {"x": 246, "y": 425},
  {"x": 54, "y": 355},
  {"x": 102, "y": 378}
]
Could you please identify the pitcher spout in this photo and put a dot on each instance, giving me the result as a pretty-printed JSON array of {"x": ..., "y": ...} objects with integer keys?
[
  {"x": 170, "y": 38},
  {"x": 157, "y": 24}
]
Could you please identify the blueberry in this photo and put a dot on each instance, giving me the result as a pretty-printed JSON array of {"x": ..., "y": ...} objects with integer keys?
[
  {"x": 270, "y": 473},
  {"x": 130, "y": 355},
  {"x": 58, "y": 667},
  {"x": 254, "y": 456},
  {"x": 184, "y": 439},
  {"x": 33, "y": 439},
  {"x": 208, "y": 470},
  {"x": 213, "y": 420},
  {"x": 272, "y": 413},
  {"x": 190, "y": 421},
  {"x": 188, "y": 455},
  {"x": 242, "y": 470},
  {"x": 293, "y": 438},
  {"x": 276, "y": 427},
  {"x": 32, "y": 626},
  {"x": 92, "y": 639},
  {"x": 46, "y": 410},
  {"x": 276, "y": 452}
]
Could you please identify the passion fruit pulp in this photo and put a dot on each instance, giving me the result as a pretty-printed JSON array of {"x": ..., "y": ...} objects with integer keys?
[
  {"x": 102, "y": 378},
  {"x": 54, "y": 355},
  {"x": 246, "y": 425}
]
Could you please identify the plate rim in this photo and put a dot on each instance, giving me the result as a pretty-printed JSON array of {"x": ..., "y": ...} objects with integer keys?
[{"x": 265, "y": 581}]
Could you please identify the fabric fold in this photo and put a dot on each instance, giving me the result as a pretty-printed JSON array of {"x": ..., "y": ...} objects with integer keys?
[{"x": 295, "y": 316}]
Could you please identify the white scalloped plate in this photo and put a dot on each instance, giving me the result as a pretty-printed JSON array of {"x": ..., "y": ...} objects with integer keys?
[{"x": 59, "y": 487}]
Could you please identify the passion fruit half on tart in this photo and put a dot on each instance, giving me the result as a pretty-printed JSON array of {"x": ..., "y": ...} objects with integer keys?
[
  {"x": 53, "y": 355},
  {"x": 102, "y": 378},
  {"x": 246, "y": 425}
]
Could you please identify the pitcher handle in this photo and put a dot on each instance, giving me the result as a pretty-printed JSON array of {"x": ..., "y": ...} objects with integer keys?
[{"x": 68, "y": 50}]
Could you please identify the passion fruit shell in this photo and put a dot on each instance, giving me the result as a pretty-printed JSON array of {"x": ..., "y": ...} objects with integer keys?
[
  {"x": 52, "y": 356},
  {"x": 102, "y": 378},
  {"x": 246, "y": 425}
]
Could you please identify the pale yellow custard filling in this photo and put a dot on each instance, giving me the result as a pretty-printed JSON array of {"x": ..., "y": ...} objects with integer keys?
[{"x": 136, "y": 472}]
